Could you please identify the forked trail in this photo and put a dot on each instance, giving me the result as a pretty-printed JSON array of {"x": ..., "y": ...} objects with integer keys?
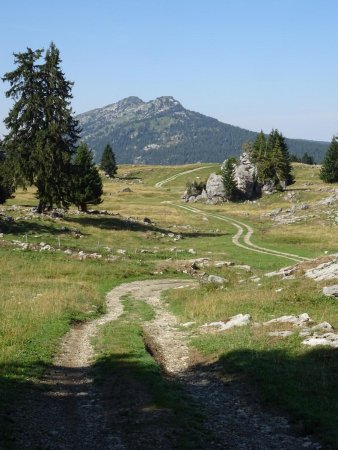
[
  {"x": 67, "y": 410},
  {"x": 244, "y": 231}
]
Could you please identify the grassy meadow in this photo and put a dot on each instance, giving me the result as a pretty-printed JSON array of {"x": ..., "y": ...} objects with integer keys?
[{"x": 44, "y": 292}]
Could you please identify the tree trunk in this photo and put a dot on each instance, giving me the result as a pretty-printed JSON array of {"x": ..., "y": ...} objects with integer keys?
[
  {"x": 40, "y": 208},
  {"x": 83, "y": 207}
]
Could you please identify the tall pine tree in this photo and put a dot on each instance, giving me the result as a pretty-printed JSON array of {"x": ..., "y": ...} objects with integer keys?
[
  {"x": 57, "y": 139},
  {"x": 272, "y": 159},
  {"x": 25, "y": 118},
  {"x": 42, "y": 131},
  {"x": 87, "y": 183},
  {"x": 329, "y": 170},
  {"x": 108, "y": 162},
  {"x": 277, "y": 145}
]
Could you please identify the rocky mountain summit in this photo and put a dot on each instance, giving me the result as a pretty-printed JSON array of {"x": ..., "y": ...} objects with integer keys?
[{"x": 162, "y": 131}]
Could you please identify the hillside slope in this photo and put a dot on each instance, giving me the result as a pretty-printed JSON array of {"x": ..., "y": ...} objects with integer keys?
[{"x": 162, "y": 131}]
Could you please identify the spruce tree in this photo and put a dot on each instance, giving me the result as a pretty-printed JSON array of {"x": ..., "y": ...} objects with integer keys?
[
  {"x": 87, "y": 183},
  {"x": 42, "y": 131},
  {"x": 262, "y": 159},
  {"x": 108, "y": 162},
  {"x": 248, "y": 148},
  {"x": 329, "y": 170},
  {"x": 25, "y": 118},
  {"x": 6, "y": 180},
  {"x": 259, "y": 148},
  {"x": 294, "y": 158},
  {"x": 228, "y": 178},
  {"x": 272, "y": 159},
  {"x": 307, "y": 159},
  {"x": 57, "y": 140},
  {"x": 277, "y": 145}
]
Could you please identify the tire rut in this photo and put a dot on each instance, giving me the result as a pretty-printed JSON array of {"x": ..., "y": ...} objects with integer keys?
[
  {"x": 66, "y": 410},
  {"x": 173, "y": 177},
  {"x": 234, "y": 415},
  {"x": 248, "y": 231}
]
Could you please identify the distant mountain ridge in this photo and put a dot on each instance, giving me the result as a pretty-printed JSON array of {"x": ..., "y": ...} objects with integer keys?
[{"x": 162, "y": 131}]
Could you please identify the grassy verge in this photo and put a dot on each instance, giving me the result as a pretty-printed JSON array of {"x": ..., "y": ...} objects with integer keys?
[
  {"x": 123, "y": 356},
  {"x": 41, "y": 296},
  {"x": 301, "y": 380}
]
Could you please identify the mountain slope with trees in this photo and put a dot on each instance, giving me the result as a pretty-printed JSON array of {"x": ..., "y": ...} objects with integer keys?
[{"x": 162, "y": 131}]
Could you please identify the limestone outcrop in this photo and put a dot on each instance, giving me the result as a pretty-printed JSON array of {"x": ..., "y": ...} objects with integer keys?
[
  {"x": 246, "y": 178},
  {"x": 245, "y": 174}
]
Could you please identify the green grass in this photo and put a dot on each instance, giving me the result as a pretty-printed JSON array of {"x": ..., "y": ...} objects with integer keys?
[
  {"x": 122, "y": 354},
  {"x": 43, "y": 293},
  {"x": 302, "y": 381}
]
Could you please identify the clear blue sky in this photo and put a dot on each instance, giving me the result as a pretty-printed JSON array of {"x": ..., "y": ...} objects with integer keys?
[{"x": 252, "y": 63}]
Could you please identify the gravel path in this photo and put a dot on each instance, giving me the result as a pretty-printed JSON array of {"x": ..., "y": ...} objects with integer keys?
[
  {"x": 246, "y": 231},
  {"x": 173, "y": 177},
  {"x": 65, "y": 410}
]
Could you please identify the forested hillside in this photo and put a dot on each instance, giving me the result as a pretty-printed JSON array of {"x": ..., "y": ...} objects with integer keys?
[{"x": 162, "y": 131}]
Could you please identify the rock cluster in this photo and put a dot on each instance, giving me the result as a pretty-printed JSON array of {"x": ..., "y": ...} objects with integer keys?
[
  {"x": 324, "y": 271},
  {"x": 245, "y": 174},
  {"x": 320, "y": 334}
]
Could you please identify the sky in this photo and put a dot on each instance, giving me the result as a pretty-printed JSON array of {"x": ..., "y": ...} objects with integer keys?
[{"x": 257, "y": 64}]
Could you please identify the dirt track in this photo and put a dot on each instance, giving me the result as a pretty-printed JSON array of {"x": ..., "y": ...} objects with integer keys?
[{"x": 66, "y": 410}]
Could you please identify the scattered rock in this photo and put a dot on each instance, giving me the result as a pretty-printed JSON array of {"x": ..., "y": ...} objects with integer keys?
[
  {"x": 7, "y": 219},
  {"x": 216, "y": 279},
  {"x": 324, "y": 271},
  {"x": 275, "y": 212},
  {"x": 187, "y": 324},
  {"x": 330, "y": 339},
  {"x": 239, "y": 320},
  {"x": 255, "y": 279},
  {"x": 325, "y": 326},
  {"x": 46, "y": 248},
  {"x": 294, "y": 320},
  {"x": 147, "y": 220},
  {"x": 328, "y": 201},
  {"x": 280, "y": 333},
  {"x": 285, "y": 272},
  {"x": 331, "y": 291},
  {"x": 127, "y": 189},
  {"x": 121, "y": 251},
  {"x": 243, "y": 267},
  {"x": 223, "y": 264}
]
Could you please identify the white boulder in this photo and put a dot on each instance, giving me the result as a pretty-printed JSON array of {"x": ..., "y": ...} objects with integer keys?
[
  {"x": 239, "y": 320},
  {"x": 330, "y": 339}
]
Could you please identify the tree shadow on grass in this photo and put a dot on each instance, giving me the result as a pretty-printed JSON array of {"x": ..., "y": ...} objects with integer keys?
[
  {"x": 28, "y": 227},
  {"x": 131, "y": 401},
  {"x": 305, "y": 386},
  {"x": 114, "y": 223},
  {"x": 136, "y": 402}
]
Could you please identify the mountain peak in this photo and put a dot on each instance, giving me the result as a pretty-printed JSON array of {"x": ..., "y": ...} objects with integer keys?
[
  {"x": 130, "y": 101},
  {"x": 162, "y": 131},
  {"x": 165, "y": 103}
]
